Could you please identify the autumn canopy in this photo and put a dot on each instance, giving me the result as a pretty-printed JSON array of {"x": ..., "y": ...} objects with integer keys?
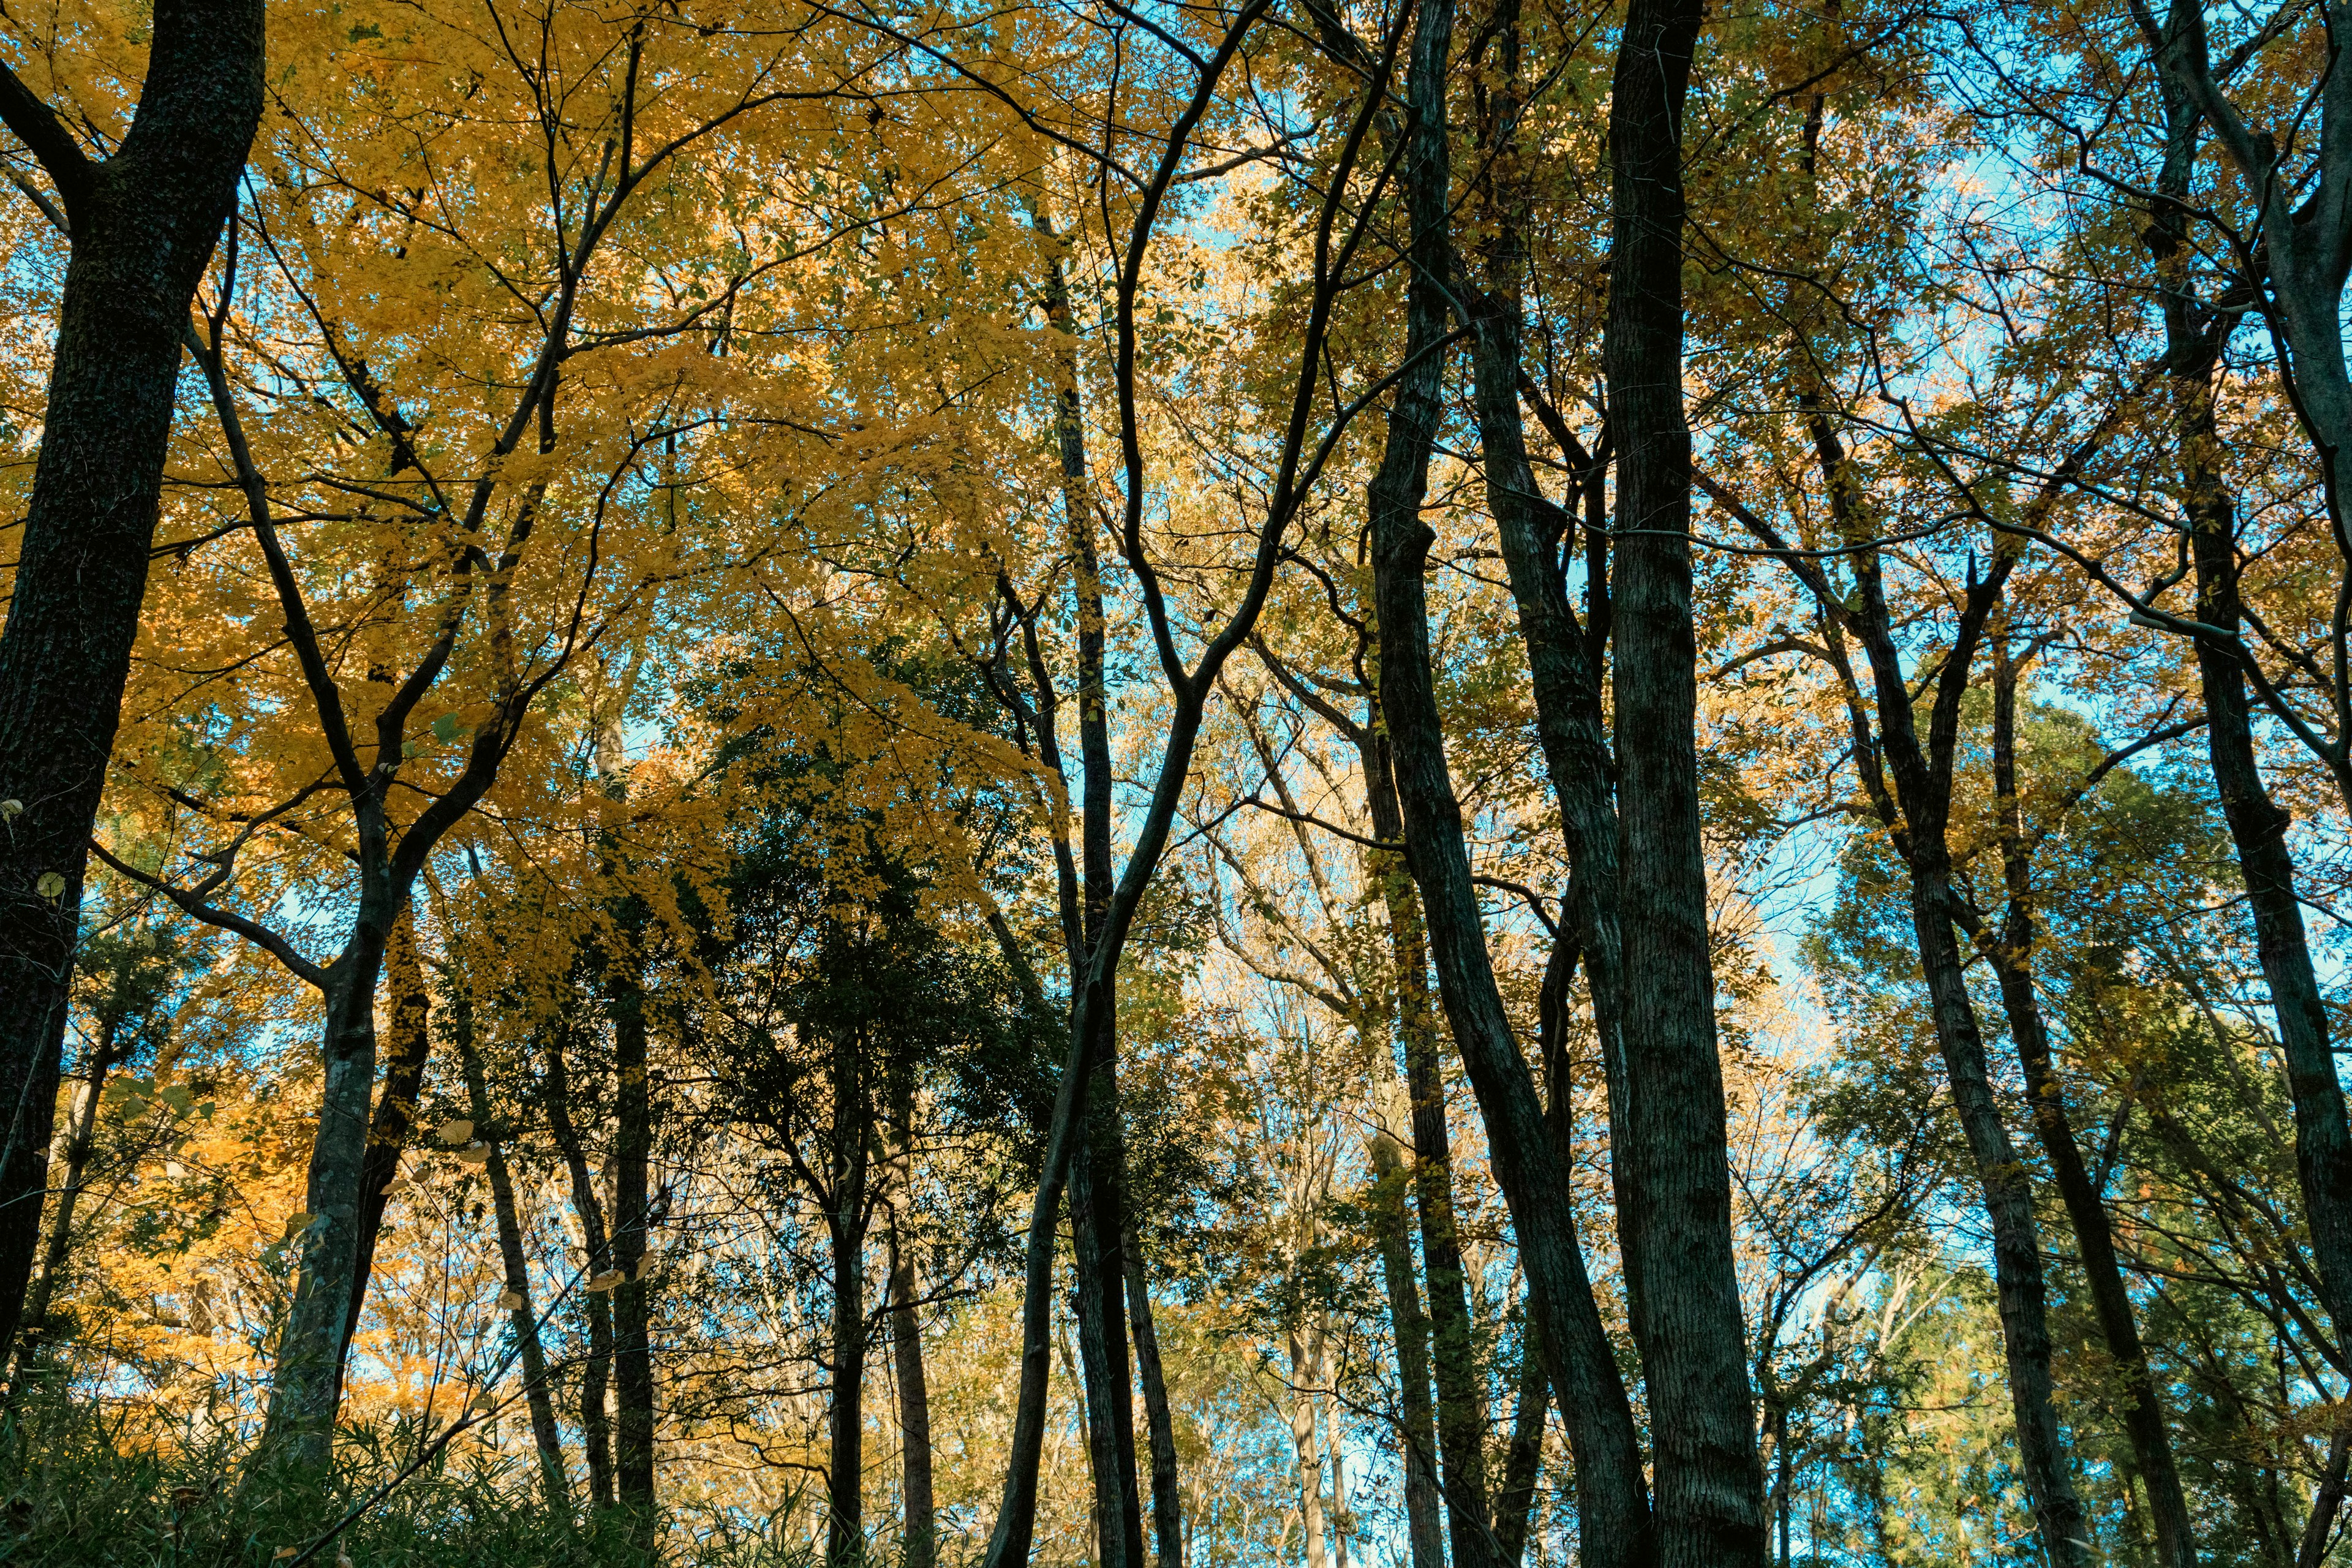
[{"x": 1510, "y": 782}]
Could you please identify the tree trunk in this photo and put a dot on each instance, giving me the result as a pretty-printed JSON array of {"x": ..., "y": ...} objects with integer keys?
[
  {"x": 1167, "y": 1493},
  {"x": 1306, "y": 1436},
  {"x": 1679, "y": 1268},
  {"x": 143, "y": 225},
  {"x": 595, "y": 1417},
  {"x": 522, "y": 1320},
  {"x": 844, "y": 1478},
  {"x": 1514, "y": 1500},
  {"x": 73, "y": 1160},
  {"x": 2143, "y": 1416},
  {"x": 1613, "y": 1504},
  {"x": 1416, "y": 1422},
  {"x": 633, "y": 1368},
  {"x": 299, "y": 1433},
  {"x": 393, "y": 1121},
  {"x": 922, "y": 1530}
]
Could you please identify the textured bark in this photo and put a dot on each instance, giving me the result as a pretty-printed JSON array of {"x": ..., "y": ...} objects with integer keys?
[
  {"x": 1307, "y": 1442},
  {"x": 1514, "y": 1500},
  {"x": 596, "y": 1307},
  {"x": 2143, "y": 1414},
  {"x": 1416, "y": 1422},
  {"x": 393, "y": 1121},
  {"x": 633, "y": 1367},
  {"x": 922, "y": 1530},
  {"x": 299, "y": 1430},
  {"x": 1159, "y": 1423},
  {"x": 70, "y": 1163},
  {"x": 522, "y": 1320},
  {"x": 845, "y": 1220},
  {"x": 143, "y": 225},
  {"x": 1612, "y": 1501},
  {"x": 2306, "y": 227},
  {"x": 1679, "y": 1267}
]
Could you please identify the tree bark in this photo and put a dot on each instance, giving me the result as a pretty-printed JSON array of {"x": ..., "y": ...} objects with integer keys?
[
  {"x": 633, "y": 1368},
  {"x": 1416, "y": 1422},
  {"x": 73, "y": 1159},
  {"x": 1514, "y": 1500},
  {"x": 299, "y": 1432},
  {"x": 922, "y": 1536},
  {"x": 596, "y": 1307},
  {"x": 2307, "y": 228},
  {"x": 144, "y": 224},
  {"x": 522, "y": 1320},
  {"x": 2143, "y": 1416},
  {"x": 1612, "y": 1494},
  {"x": 1680, "y": 1272},
  {"x": 393, "y": 1121},
  {"x": 1167, "y": 1494}
]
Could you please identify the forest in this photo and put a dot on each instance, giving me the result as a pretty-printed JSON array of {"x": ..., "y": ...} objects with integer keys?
[{"x": 1175, "y": 783}]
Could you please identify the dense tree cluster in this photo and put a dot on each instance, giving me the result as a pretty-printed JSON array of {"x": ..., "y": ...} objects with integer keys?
[{"x": 1427, "y": 780}]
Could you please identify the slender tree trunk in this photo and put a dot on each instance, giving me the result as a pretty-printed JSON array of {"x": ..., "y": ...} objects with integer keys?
[
  {"x": 395, "y": 1118},
  {"x": 1680, "y": 1272},
  {"x": 1167, "y": 1493},
  {"x": 2258, "y": 825},
  {"x": 1613, "y": 1502},
  {"x": 922, "y": 1537},
  {"x": 1098, "y": 1226},
  {"x": 2143, "y": 1416},
  {"x": 72, "y": 1160},
  {"x": 522, "y": 1320},
  {"x": 1461, "y": 1412},
  {"x": 144, "y": 224},
  {"x": 1306, "y": 1437},
  {"x": 2319, "y": 1527},
  {"x": 1514, "y": 1500},
  {"x": 299, "y": 1433},
  {"x": 1416, "y": 1422},
  {"x": 845, "y": 1540},
  {"x": 596, "y": 1307},
  {"x": 633, "y": 1367}
]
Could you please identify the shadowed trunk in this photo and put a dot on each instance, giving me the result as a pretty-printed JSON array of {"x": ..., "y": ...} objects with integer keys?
[
  {"x": 2143, "y": 1412},
  {"x": 596, "y": 1307},
  {"x": 845, "y": 1218},
  {"x": 1679, "y": 1268},
  {"x": 922, "y": 1530},
  {"x": 1167, "y": 1494},
  {"x": 523, "y": 1321},
  {"x": 393, "y": 1121},
  {"x": 1416, "y": 1422},
  {"x": 633, "y": 1368},
  {"x": 1614, "y": 1505},
  {"x": 142, "y": 226},
  {"x": 69, "y": 1162}
]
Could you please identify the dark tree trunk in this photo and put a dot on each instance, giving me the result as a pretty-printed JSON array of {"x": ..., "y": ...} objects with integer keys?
[
  {"x": 1680, "y": 1272},
  {"x": 596, "y": 1305},
  {"x": 513, "y": 1262},
  {"x": 1613, "y": 1504},
  {"x": 922, "y": 1529},
  {"x": 633, "y": 1366},
  {"x": 143, "y": 225},
  {"x": 80, "y": 1137},
  {"x": 1167, "y": 1497},
  {"x": 2143, "y": 1414},
  {"x": 1416, "y": 1422},
  {"x": 393, "y": 1121},
  {"x": 2258, "y": 825},
  {"x": 1514, "y": 1500},
  {"x": 845, "y": 1540}
]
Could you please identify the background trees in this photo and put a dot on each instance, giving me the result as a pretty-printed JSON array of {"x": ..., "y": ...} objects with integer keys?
[{"x": 1459, "y": 779}]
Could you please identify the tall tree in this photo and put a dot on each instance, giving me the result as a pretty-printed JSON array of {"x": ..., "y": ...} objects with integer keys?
[{"x": 142, "y": 223}]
